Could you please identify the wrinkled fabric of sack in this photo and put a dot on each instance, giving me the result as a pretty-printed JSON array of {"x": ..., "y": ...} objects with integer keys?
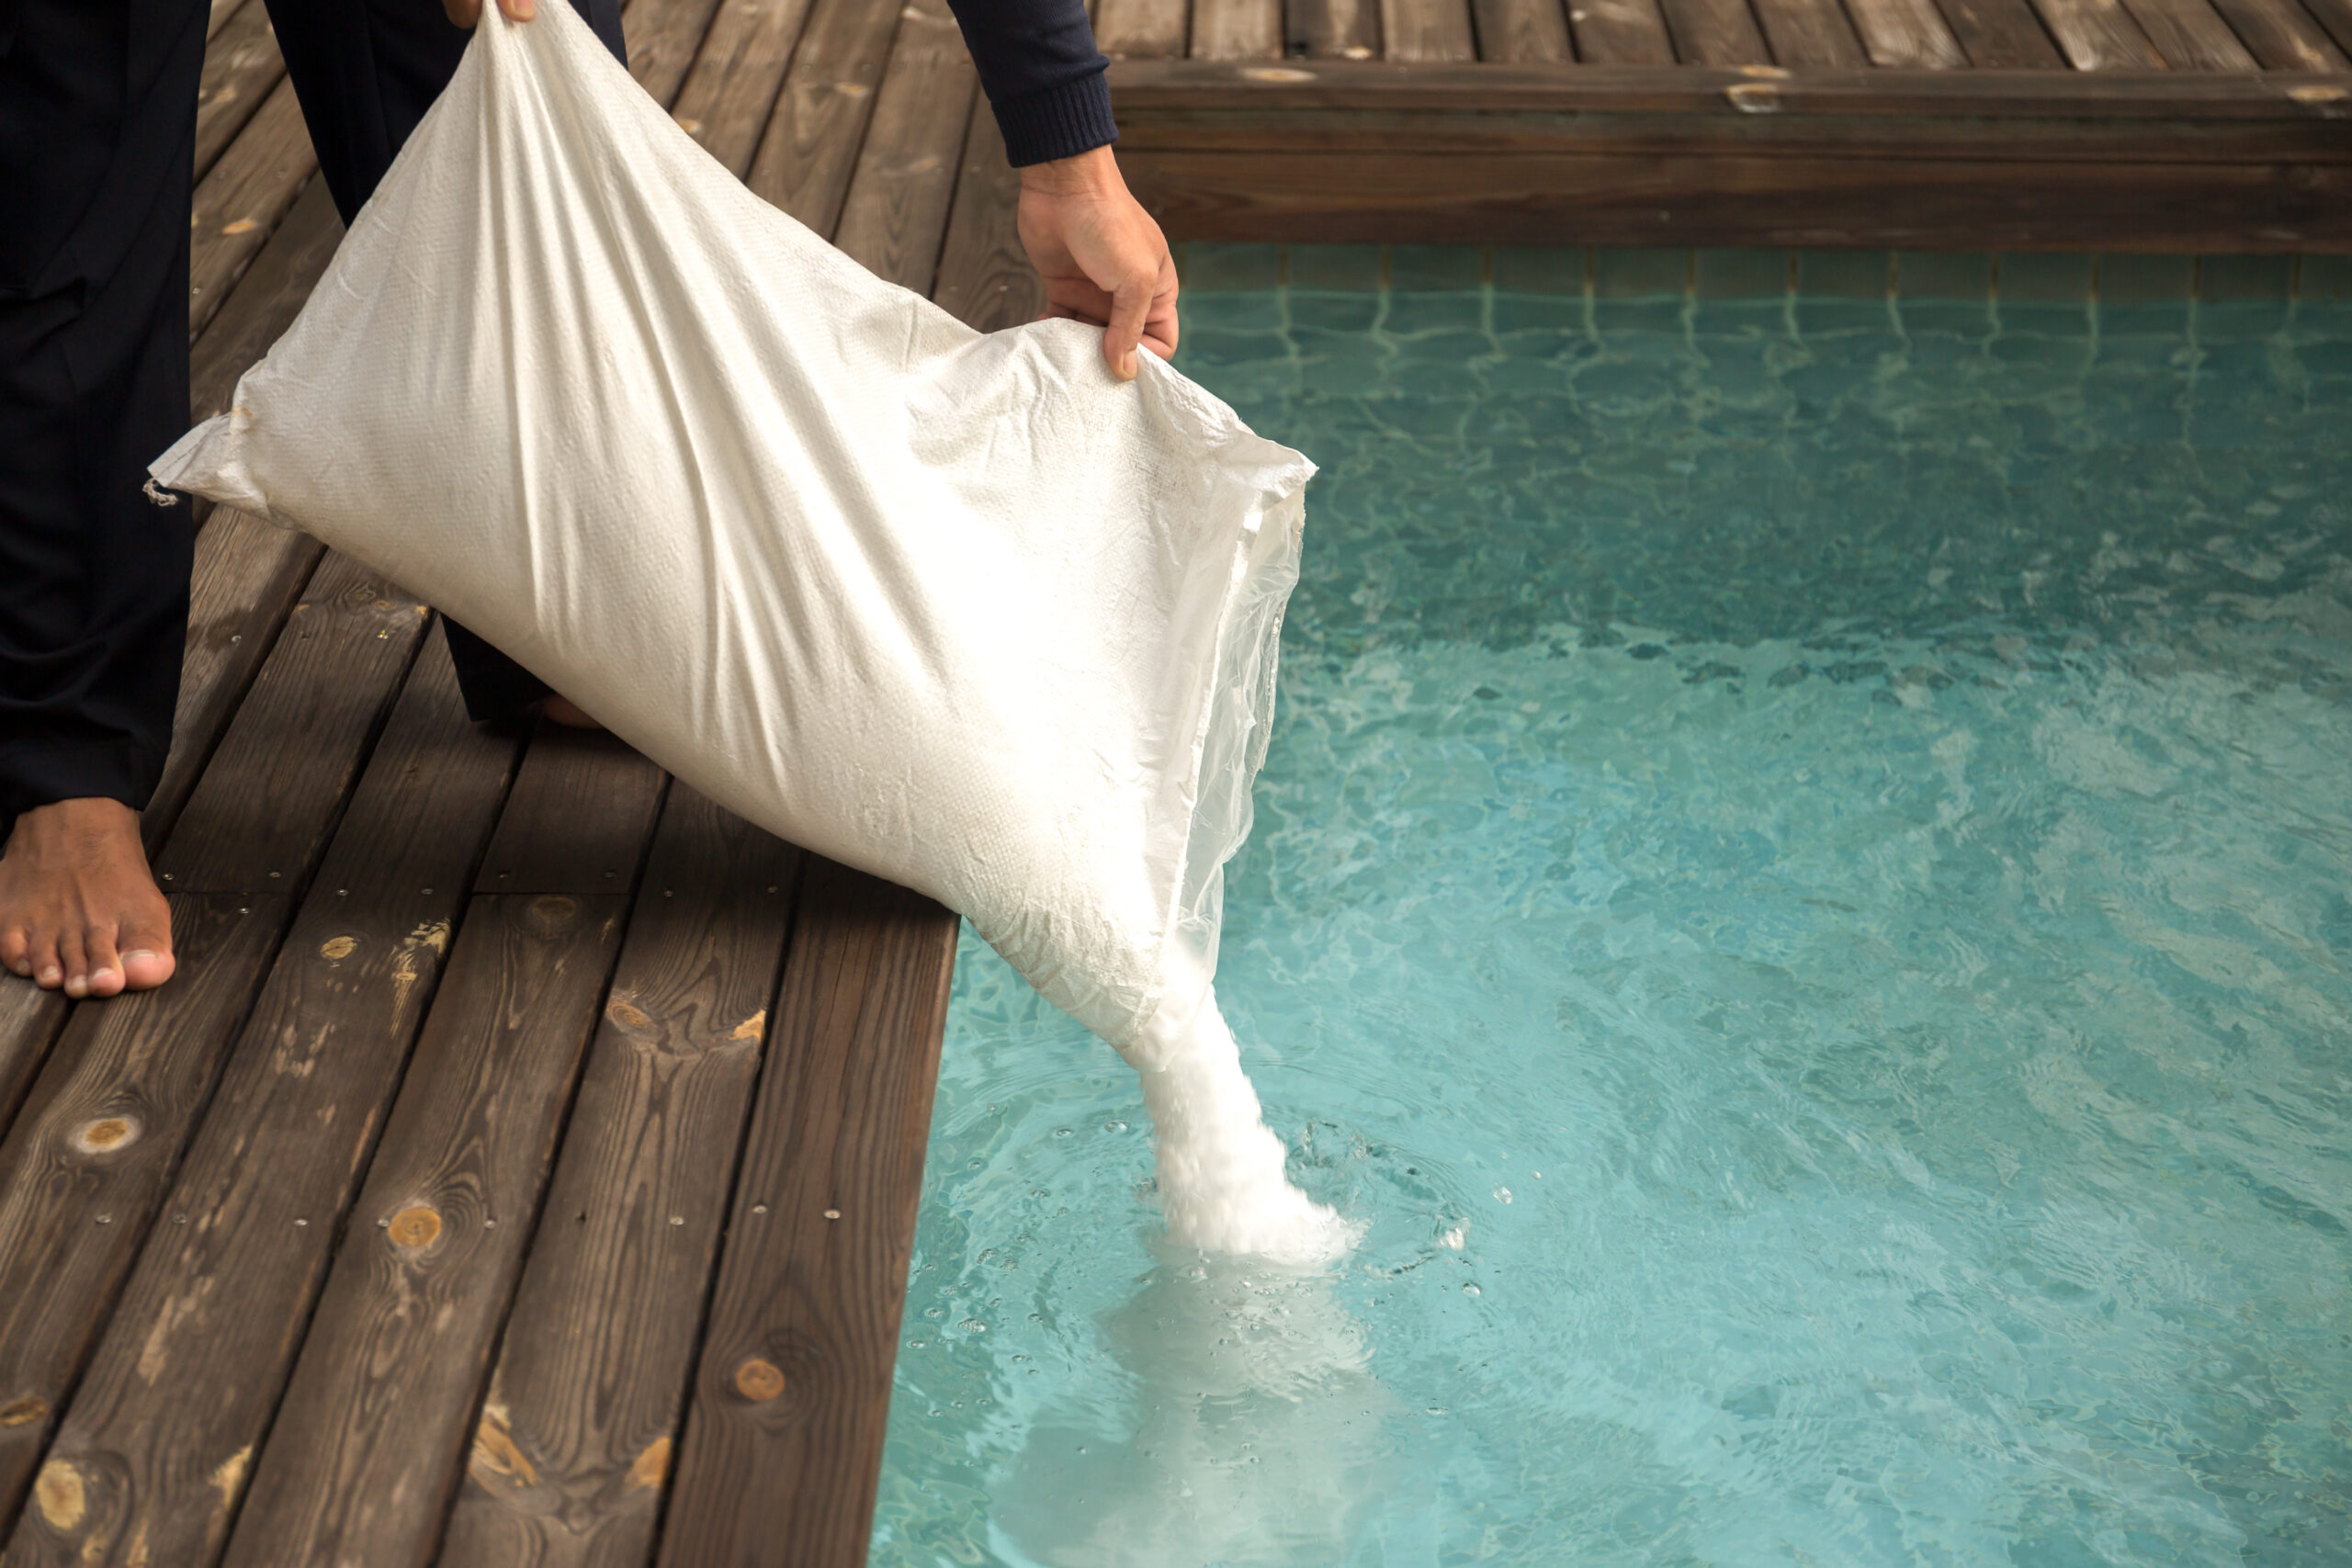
[{"x": 962, "y": 611}]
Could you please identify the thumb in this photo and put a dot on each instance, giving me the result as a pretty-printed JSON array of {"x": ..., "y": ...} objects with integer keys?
[{"x": 1130, "y": 305}]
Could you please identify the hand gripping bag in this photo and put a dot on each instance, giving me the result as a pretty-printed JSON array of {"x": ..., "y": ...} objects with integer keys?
[{"x": 959, "y": 610}]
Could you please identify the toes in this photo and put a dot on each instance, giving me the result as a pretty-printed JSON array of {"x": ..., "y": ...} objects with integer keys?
[
  {"x": 48, "y": 969},
  {"x": 146, "y": 967},
  {"x": 104, "y": 964},
  {"x": 17, "y": 950},
  {"x": 75, "y": 963}
]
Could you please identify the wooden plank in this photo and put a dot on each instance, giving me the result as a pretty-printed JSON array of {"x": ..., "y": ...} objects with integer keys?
[
  {"x": 792, "y": 1392},
  {"x": 366, "y": 1444},
  {"x": 241, "y": 65},
  {"x": 1522, "y": 32},
  {"x": 1739, "y": 196},
  {"x": 2001, "y": 35},
  {"x": 1152, "y": 92},
  {"x": 159, "y": 1434},
  {"x": 1237, "y": 29},
  {"x": 1427, "y": 30},
  {"x": 896, "y": 212},
  {"x": 2099, "y": 35},
  {"x": 1715, "y": 32},
  {"x": 222, "y": 11},
  {"x": 1906, "y": 34},
  {"x": 364, "y": 1450},
  {"x": 728, "y": 94},
  {"x": 571, "y": 1451},
  {"x": 602, "y": 796},
  {"x": 240, "y": 200},
  {"x": 1804, "y": 33},
  {"x": 985, "y": 278},
  {"x": 2190, "y": 36},
  {"x": 90, "y": 1156},
  {"x": 265, "y": 299},
  {"x": 810, "y": 149},
  {"x": 30, "y": 1019},
  {"x": 271, "y": 793},
  {"x": 2282, "y": 36},
  {"x": 1332, "y": 30},
  {"x": 2335, "y": 15},
  {"x": 663, "y": 37},
  {"x": 1141, "y": 29},
  {"x": 1621, "y": 32}
]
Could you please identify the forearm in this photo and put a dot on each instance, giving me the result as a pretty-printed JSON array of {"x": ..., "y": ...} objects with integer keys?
[{"x": 1042, "y": 76}]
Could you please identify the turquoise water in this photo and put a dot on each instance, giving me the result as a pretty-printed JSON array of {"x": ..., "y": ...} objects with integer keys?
[{"x": 1802, "y": 894}]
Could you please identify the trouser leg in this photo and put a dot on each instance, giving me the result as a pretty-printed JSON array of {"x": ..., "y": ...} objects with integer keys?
[
  {"x": 366, "y": 71},
  {"x": 97, "y": 132}
]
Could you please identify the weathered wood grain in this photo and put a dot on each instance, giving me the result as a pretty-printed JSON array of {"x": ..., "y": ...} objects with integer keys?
[
  {"x": 29, "y": 1021},
  {"x": 2189, "y": 35},
  {"x": 571, "y": 1454},
  {"x": 2001, "y": 34},
  {"x": 985, "y": 278},
  {"x": 241, "y": 65},
  {"x": 895, "y": 211},
  {"x": 265, "y": 299},
  {"x": 663, "y": 37},
  {"x": 1332, "y": 30},
  {"x": 223, "y": 10},
  {"x": 1622, "y": 32},
  {"x": 1715, "y": 32},
  {"x": 265, "y": 802},
  {"x": 2281, "y": 36},
  {"x": 810, "y": 147},
  {"x": 2335, "y": 15},
  {"x": 792, "y": 1391},
  {"x": 2099, "y": 35},
  {"x": 247, "y": 578},
  {"x": 732, "y": 88},
  {"x": 365, "y": 1445},
  {"x": 1427, "y": 30},
  {"x": 242, "y": 199},
  {"x": 1237, "y": 29},
  {"x": 1906, "y": 35},
  {"x": 1141, "y": 29},
  {"x": 90, "y": 1155},
  {"x": 161, "y": 1430},
  {"x": 1809, "y": 33},
  {"x": 581, "y": 813},
  {"x": 1522, "y": 32}
]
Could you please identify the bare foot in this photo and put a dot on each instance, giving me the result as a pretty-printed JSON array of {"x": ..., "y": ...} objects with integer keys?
[
  {"x": 565, "y": 712},
  {"x": 79, "y": 909}
]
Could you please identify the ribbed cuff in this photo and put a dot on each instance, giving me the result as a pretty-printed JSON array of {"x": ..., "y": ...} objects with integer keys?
[{"x": 1057, "y": 122}]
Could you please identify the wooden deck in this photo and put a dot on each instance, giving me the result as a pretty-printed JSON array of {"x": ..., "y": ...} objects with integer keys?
[
  {"x": 1982, "y": 125},
  {"x": 524, "y": 1168}
]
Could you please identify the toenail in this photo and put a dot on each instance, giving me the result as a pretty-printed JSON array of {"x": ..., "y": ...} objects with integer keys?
[
  {"x": 52, "y": 976},
  {"x": 140, "y": 953},
  {"x": 100, "y": 977}
]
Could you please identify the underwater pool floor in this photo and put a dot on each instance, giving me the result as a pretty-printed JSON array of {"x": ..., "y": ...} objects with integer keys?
[{"x": 1802, "y": 895}]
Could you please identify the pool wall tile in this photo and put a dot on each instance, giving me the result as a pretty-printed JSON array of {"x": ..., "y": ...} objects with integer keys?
[
  {"x": 1541, "y": 269},
  {"x": 1619, "y": 273},
  {"x": 2324, "y": 277},
  {"x": 2146, "y": 280},
  {"x": 1207, "y": 267},
  {"x": 2230, "y": 280},
  {"x": 1436, "y": 266},
  {"x": 2040, "y": 277},
  {"x": 1739, "y": 274},
  {"x": 1963, "y": 276},
  {"x": 1844, "y": 274},
  {"x": 1337, "y": 268}
]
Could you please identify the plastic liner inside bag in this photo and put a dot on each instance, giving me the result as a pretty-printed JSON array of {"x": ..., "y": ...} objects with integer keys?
[{"x": 961, "y": 611}]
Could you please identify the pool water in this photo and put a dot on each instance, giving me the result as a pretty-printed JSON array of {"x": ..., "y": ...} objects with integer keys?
[{"x": 1803, "y": 896}]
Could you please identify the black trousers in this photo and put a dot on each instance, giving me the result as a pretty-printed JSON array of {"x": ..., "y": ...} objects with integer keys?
[{"x": 97, "y": 137}]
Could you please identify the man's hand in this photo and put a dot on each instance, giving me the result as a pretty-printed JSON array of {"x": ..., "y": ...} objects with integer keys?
[
  {"x": 465, "y": 13},
  {"x": 1103, "y": 260}
]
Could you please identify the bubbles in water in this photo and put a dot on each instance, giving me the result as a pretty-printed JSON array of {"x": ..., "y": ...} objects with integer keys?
[
  {"x": 1470, "y": 1291},
  {"x": 1503, "y": 1194}
]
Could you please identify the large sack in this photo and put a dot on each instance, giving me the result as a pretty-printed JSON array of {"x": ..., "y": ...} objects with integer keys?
[{"x": 962, "y": 611}]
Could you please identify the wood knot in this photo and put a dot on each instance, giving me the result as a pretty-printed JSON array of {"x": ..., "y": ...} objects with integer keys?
[
  {"x": 105, "y": 1134},
  {"x": 553, "y": 909},
  {"x": 653, "y": 1466},
  {"x": 416, "y": 1225},
  {"x": 58, "y": 1493},
  {"x": 759, "y": 1380},
  {"x": 23, "y": 1412},
  {"x": 627, "y": 1013},
  {"x": 336, "y": 949}
]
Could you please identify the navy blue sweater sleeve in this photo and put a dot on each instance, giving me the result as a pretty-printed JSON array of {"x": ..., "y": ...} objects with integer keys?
[{"x": 1042, "y": 74}]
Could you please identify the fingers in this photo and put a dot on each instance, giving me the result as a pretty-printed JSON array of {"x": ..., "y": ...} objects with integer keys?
[
  {"x": 1130, "y": 304},
  {"x": 516, "y": 10},
  {"x": 463, "y": 13}
]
